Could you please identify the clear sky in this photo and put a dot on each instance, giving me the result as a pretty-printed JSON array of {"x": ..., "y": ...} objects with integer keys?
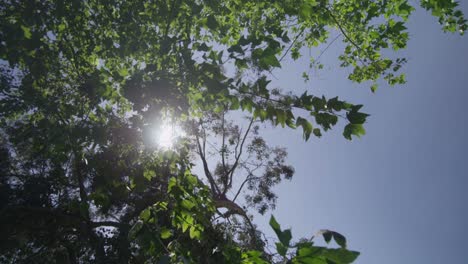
[{"x": 400, "y": 193}]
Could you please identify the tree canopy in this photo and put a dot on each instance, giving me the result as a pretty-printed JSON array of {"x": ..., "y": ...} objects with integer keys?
[{"x": 83, "y": 83}]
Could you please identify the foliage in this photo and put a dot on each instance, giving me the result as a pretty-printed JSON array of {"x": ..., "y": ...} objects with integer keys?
[
  {"x": 82, "y": 83},
  {"x": 243, "y": 161}
]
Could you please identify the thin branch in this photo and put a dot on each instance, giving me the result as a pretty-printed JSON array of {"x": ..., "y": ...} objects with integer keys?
[
  {"x": 328, "y": 46},
  {"x": 223, "y": 150},
  {"x": 214, "y": 187},
  {"x": 292, "y": 44},
  {"x": 234, "y": 166},
  {"x": 247, "y": 179},
  {"x": 233, "y": 208},
  {"x": 342, "y": 30},
  {"x": 105, "y": 223},
  {"x": 347, "y": 37}
]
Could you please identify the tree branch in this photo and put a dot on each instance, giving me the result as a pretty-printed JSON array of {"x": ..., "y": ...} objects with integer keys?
[
  {"x": 236, "y": 162},
  {"x": 233, "y": 208},
  {"x": 247, "y": 179},
  {"x": 214, "y": 187},
  {"x": 223, "y": 151}
]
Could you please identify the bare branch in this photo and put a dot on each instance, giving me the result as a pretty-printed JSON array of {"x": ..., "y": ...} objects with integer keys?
[
  {"x": 223, "y": 152},
  {"x": 292, "y": 44},
  {"x": 237, "y": 158},
  {"x": 247, "y": 179},
  {"x": 214, "y": 187}
]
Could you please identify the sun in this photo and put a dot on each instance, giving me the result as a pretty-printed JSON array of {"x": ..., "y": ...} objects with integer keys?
[{"x": 167, "y": 134}]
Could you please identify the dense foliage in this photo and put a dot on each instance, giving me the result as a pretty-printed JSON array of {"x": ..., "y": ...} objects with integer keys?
[{"x": 84, "y": 81}]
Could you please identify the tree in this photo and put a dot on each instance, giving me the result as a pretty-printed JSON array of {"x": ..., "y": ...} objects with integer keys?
[
  {"x": 83, "y": 81},
  {"x": 242, "y": 160}
]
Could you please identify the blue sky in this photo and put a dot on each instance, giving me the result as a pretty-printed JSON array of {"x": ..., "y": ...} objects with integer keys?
[{"x": 399, "y": 193}]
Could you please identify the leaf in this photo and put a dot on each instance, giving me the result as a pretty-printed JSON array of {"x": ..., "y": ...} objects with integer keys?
[
  {"x": 274, "y": 224},
  {"x": 353, "y": 129},
  {"x": 149, "y": 174},
  {"x": 284, "y": 236},
  {"x": 234, "y": 103},
  {"x": 247, "y": 104},
  {"x": 306, "y": 126},
  {"x": 165, "y": 233},
  {"x": 172, "y": 184},
  {"x": 339, "y": 238},
  {"x": 310, "y": 251},
  {"x": 252, "y": 257},
  {"x": 327, "y": 235},
  {"x": 185, "y": 226},
  {"x": 145, "y": 214},
  {"x": 187, "y": 204},
  {"x": 212, "y": 23},
  {"x": 26, "y": 31},
  {"x": 356, "y": 117},
  {"x": 194, "y": 232},
  {"x": 282, "y": 250},
  {"x": 267, "y": 57},
  {"x": 123, "y": 72},
  {"x": 313, "y": 261},
  {"x": 341, "y": 256},
  {"x": 317, "y": 132},
  {"x": 203, "y": 47},
  {"x": 310, "y": 255},
  {"x": 270, "y": 61}
]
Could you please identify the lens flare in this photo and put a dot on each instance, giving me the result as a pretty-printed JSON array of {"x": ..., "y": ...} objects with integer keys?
[{"x": 167, "y": 134}]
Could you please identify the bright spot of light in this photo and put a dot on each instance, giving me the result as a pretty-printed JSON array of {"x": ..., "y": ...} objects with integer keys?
[{"x": 167, "y": 134}]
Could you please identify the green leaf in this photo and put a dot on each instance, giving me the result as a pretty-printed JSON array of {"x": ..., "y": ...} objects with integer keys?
[
  {"x": 26, "y": 32},
  {"x": 234, "y": 103},
  {"x": 165, "y": 233},
  {"x": 356, "y": 117},
  {"x": 203, "y": 47},
  {"x": 194, "y": 232},
  {"x": 353, "y": 129},
  {"x": 212, "y": 23},
  {"x": 310, "y": 251},
  {"x": 185, "y": 226},
  {"x": 341, "y": 256},
  {"x": 274, "y": 224},
  {"x": 282, "y": 250},
  {"x": 339, "y": 238},
  {"x": 123, "y": 72},
  {"x": 149, "y": 174},
  {"x": 327, "y": 235},
  {"x": 187, "y": 204},
  {"x": 247, "y": 104},
  {"x": 269, "y": 61},
  {"x": 317, "y": 132},
  {"x": 284, "y": 236},
  {"x": 172, "y": 184},
  {"x": 306, "y": 127},
  {"x": 145, "y": 214}
]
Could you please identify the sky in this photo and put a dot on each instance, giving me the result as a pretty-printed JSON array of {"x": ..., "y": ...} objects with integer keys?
[{"x": 399, "y": 194}]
